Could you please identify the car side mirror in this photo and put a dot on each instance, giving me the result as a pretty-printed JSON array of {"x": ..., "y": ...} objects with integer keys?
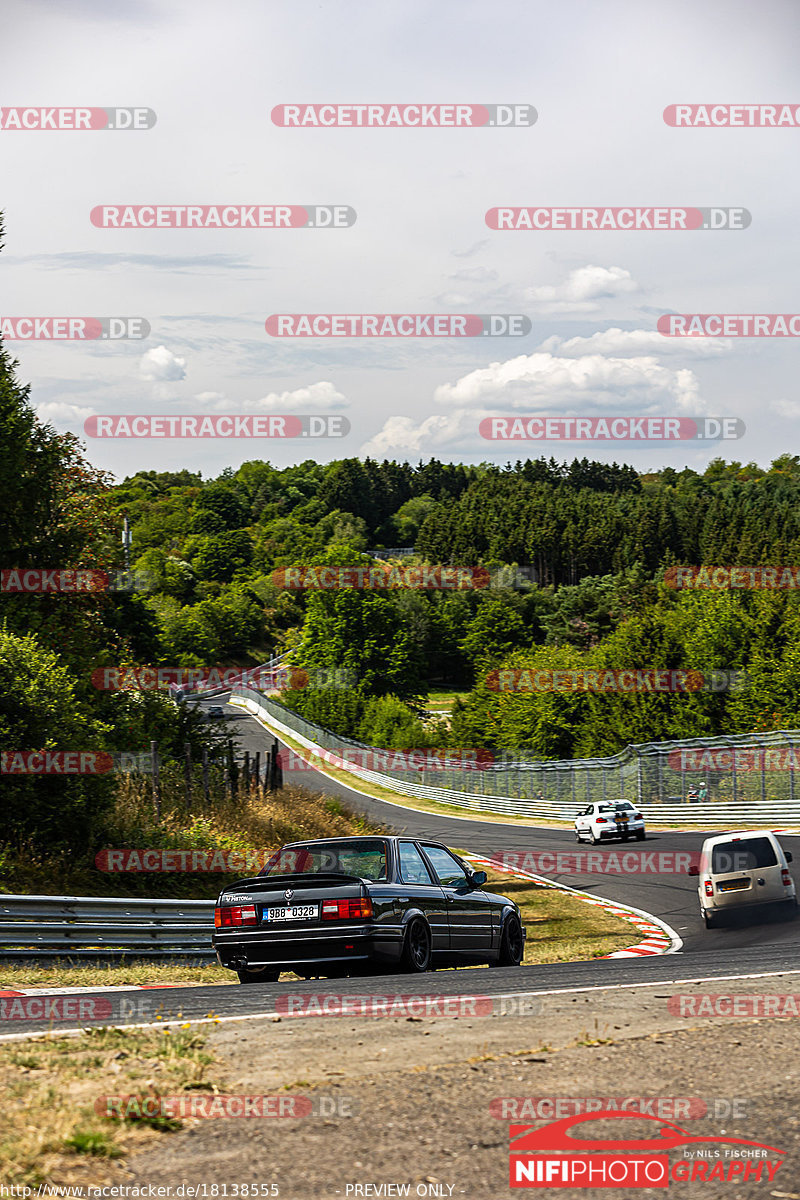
[
  {"x": 478, "y": 879},
  {"x": 789, "y": 856},
  {"x": 693, "y": 869}
]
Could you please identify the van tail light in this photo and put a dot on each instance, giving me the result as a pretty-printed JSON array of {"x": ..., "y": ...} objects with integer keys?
[
  {"x": 709, "y": 888},
  {"x": 786, "y": 877},
  {"x": 346, "y": 910},
  {"x": 235, "y": 914}
]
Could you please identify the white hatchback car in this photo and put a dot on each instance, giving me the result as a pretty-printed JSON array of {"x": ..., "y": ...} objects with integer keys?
[
  {"x": 743, "y": 870},
  {"x": 609, "y": 819}
]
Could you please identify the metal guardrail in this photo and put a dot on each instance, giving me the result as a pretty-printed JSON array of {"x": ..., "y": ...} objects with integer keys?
[
  {"x": 647, "y": 774},
  {"x": 104, "y": 926}
]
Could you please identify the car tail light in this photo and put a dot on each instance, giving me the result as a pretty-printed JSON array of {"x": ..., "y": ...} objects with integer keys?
[
  {"x": 637, "y": 816},
  {"x": 600, "y": 821},
  {"x": 786, "y": 877},
  {"x": 709, "y": 889},
  {"x": 235, "y": 914},
  {"x": 346, "y": 910}
]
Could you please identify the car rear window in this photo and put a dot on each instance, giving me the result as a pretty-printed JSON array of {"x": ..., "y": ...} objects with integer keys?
[
  {"x": 365, "y": 859},
  {"x": 750, "y": 854},
  {"x": 623, "y": 804}
]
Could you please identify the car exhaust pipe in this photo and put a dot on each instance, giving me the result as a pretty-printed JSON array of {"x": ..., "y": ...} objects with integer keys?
[{"x": 238, "y": 964}]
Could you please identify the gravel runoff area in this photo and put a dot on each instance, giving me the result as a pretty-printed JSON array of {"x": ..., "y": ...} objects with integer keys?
[{"x": 408, "y": 1101}]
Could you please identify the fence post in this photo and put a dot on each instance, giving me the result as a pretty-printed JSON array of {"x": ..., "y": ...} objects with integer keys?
[
  {"x": 156, "y": 779},
  {"x": 206, "y": 787},
  {"x": 187, "y": 775},
  {"x": 791, "y": 769},
  {"x": 257, "y": 772},
  {"x": 232, "y": 771},
  {"x": 247, "y": 773}
]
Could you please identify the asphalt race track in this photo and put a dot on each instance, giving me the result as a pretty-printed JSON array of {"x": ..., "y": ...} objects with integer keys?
[{"x": 748, "y": 947}]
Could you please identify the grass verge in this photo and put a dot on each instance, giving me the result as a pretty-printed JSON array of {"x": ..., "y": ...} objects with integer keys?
[
  {"x": 245, "y": 824},
  {"x": 560, "y": 927},
  {"x": 50, "y": 1132},
  {"x": 63, "y": 973}
]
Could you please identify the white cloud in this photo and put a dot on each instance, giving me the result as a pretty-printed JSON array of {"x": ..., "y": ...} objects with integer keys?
[
  {"x": 160, "y": 365},
  {"x": 474, "y": 275},
  {"x": 786, "y": 408},
  {"x": 401, "y": 437},
  {"x": 542, "y": 382},
  {"x": 56, "y": 412},
  {"x": 317, "y": 397},
  {"x": 583, "y": 288},
  {"x": 620, "y": 343}
]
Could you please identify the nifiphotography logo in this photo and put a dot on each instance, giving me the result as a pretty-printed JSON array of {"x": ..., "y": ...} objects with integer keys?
[{"x": 550, "y": 1156}]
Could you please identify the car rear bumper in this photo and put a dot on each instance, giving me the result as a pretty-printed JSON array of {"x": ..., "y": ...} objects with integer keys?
[
  {"x": 749, "y": 898},
  {"x": 286, "y": 948},
  {"x": 632, "y": 828}
]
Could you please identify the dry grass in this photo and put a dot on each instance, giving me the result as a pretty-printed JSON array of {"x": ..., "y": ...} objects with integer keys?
[
  {"x": 49, "y": 1131},
  {"x": 242, "y": 823},
  {"x": 560, "y": 927},
  {"x": 63, "y": 973}
]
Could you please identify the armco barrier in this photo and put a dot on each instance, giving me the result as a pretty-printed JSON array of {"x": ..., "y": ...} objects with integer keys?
[
  {"x": 557, "y": 790},
  {"x": 104, "y": 927}
]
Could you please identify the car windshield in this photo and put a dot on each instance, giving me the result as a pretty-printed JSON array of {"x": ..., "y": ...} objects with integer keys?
[
  {"x": 365, "y": 858},
  {"x": 749, "y": 855}
]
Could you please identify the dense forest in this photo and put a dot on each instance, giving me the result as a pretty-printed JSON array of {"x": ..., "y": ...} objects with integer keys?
[{"x": 574, "y": 556}]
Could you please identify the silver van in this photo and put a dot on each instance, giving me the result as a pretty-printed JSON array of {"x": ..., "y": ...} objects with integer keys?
[{"x": 743, "y": 870}]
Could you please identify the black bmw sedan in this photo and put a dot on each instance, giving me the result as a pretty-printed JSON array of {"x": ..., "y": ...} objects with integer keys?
[{"x": 337, "y": 905}]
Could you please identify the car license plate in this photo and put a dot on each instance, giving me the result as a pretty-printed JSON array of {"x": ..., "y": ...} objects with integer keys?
[
  {"x": 297, "y": 912},
  {"x": 621, "y": 820},
  {"x": 734, "y": 885}
]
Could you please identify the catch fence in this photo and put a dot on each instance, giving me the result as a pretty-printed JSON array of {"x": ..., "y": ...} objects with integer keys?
[{"x": 696, "y": 780}]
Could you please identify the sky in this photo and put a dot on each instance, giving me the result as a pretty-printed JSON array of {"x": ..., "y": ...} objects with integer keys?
[{"x": 599, "y": 77}]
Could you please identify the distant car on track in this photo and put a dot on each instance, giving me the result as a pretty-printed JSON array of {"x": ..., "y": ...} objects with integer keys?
[
  {"x": 743, "y": 870},
  {"x": 215, "y": 712},
  {"x": 333, "y": 905},
  {"x": 607, "y": 819}
]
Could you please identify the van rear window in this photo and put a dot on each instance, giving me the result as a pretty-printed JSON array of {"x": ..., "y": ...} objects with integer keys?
[{"x": 748, "y": 855}]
